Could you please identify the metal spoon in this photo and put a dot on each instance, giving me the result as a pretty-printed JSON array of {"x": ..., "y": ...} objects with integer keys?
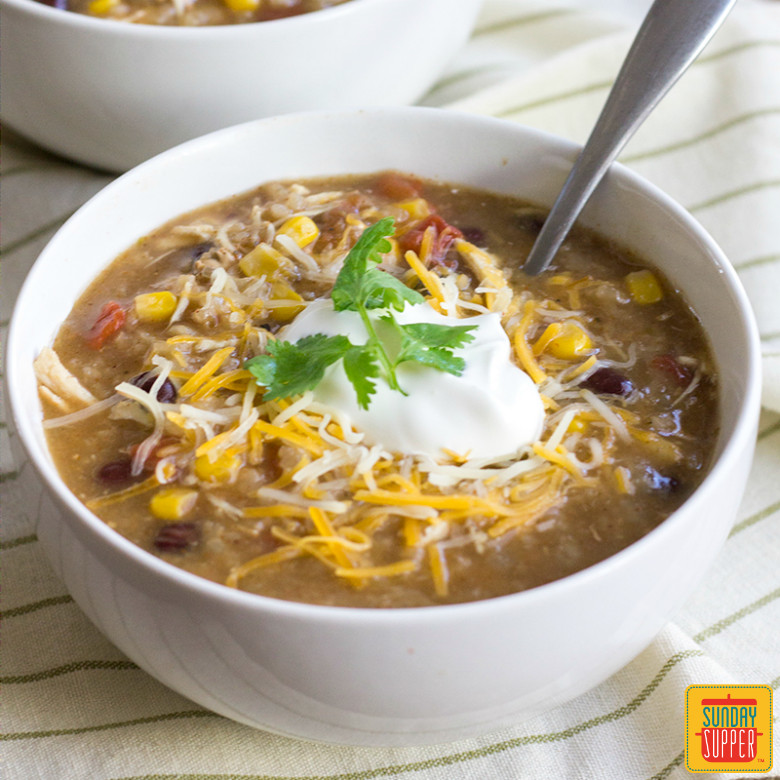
[{"x": 670, "y": 38}]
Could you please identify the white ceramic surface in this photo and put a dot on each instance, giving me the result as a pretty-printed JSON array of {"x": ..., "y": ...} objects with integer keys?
[
  {"x": 111, "y": 94},
  {"x": 408, "y": 676}
]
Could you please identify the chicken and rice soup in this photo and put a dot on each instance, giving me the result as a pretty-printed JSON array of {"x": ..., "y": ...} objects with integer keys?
[
  {"x": 193, "y": 13},
  {"x": 345, "y": 392}
]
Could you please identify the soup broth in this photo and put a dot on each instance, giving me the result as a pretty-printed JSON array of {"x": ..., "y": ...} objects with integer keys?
[{"x": 158, "y": 422}]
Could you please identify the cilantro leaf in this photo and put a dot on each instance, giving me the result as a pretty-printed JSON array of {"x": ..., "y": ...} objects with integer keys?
[
  {"x": 361, "y": 366},
  {"x": 431, "y": 344},
  {"x": 360, "y": 285},
  {"x": 292, "y": 368}
]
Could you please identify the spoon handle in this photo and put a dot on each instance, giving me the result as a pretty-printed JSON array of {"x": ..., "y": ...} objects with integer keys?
[{"x": 670, "y": 38}]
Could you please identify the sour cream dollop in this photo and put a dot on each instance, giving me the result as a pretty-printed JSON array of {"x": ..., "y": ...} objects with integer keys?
[{"x": 491, "y": 410}]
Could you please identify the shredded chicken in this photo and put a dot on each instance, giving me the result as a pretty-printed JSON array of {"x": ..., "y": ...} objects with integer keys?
[{"x": 58, "y": 385}]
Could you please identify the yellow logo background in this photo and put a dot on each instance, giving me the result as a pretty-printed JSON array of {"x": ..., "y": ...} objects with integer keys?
[{"x": 728, "y": 728}]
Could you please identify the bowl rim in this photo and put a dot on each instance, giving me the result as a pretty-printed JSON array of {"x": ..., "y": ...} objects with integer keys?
[
  {"x": 738, "y": 439},
  {"x": 114, "y": 27}
]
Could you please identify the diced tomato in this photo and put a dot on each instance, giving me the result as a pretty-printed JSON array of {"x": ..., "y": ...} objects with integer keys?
[
  {"x": 671, "y": 366},
  {"x": 108, "y": 323},
  {"x": 397, "y": 186},
  {"x": 444, "y": 235}
]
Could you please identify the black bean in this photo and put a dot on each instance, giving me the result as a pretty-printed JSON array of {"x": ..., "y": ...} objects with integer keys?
[
  {"x": 176, "y": 537},
  {"x": 116, "y": 472},
  {"x": 167, "y": 392},
  {"x": 530, "y": 219},
  {"x": 474, "y": 235},
  {"x": 608, "y": 381}
]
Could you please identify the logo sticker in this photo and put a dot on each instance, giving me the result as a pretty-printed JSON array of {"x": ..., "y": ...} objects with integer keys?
[{"x": 728, "y": 728}]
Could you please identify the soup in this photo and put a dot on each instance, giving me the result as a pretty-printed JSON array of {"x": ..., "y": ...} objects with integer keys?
[
  {"x": 193, "y": 13},
  {"x": 346, "y": 392}
]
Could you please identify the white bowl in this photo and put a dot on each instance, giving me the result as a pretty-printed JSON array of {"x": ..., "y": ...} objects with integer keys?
[
  {"x": 112, "y": 94},
  {"x": 398, "y": 676}
]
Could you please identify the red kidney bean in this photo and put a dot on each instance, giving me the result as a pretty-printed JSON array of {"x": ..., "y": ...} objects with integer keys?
[
  {"x": 167, "y": 392},
  {"x": 116, "y": 472},
  {"x": 176, "y": 537},
  {"x": 671, "y": 366},
  {"x": 608, "y": 381}
]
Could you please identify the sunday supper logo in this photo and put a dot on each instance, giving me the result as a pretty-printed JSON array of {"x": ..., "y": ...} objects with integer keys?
[{"x": 728, "y": 728}]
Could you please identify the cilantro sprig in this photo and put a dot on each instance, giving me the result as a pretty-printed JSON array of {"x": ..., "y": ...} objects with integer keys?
[{"x": 292, "y": 368}]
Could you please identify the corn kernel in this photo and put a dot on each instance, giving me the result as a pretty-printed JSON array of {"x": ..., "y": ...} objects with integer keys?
[
  {"x": 155, "y": 306},
  {"x": 577, "y": 425},
  {"x": 263, "y": 260},
  {"x": 173, "y": 503},
  {"x": 222, "y": 469},
  {"x": 242, "y": 5},
  {"x": 416, "y": 208},
  {"x": 300, "y": 229},
  {"x": 564, "y": 340},
  {"x": 643, "y": 287},
  {"x": 102, "y": 7},
  {"x": 287, "y": 308}
]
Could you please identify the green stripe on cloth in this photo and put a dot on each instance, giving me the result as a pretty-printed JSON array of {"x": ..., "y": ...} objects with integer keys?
[
  {"x": 755, "y": 518},
  {"x": 26, "y": 609},
  {"x": 18, "y": 542},
  {"x": 757, "y": 261},
  {"x": 76, "y": 666},
  {"x": 468, "y": 755},
  {"x": 748, "y": 189},
  {"x": 185, "y": 715},
  {"x": 727, "y": 622},
  {"x": 705, "y": 136}
]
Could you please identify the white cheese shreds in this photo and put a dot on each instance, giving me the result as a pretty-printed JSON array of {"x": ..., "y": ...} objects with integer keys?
[
  {"x": 295, "y": 499},
  {"x": 609, "y": 416}
]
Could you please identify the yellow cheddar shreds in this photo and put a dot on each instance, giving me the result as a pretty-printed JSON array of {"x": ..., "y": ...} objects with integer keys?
[
  {"x": 524, "y": 355},
  {"x": 113, "y": 498},
  {"x": 411, "y": 531},
  {"x": 279, "y": 432},
  {"x": 323, "y": 527},
  {"x": 427, "y": 277},
  {"x": 280, "y": 555},
  {"x": 209, "y": 368},
  {"x": 623, "y": 481},
  {"x": 586, "y": 365},
  {"x": 550, "y": 332},
  {"x": 558, "y": 456},
  {"x": 235, "y": 380},
  {"x": 439, "y": 571}
]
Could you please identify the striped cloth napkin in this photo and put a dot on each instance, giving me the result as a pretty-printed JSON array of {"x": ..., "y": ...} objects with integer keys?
[{"x": 73, "y": 707}]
